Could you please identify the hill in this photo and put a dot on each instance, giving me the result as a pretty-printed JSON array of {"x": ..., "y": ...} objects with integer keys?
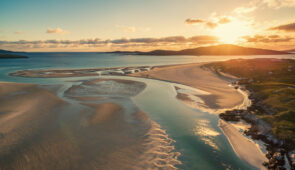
[
  {"x": 4, "y": 54},
  {"x": 224, "y": 49},
  {"x": 290, "y": 51}
]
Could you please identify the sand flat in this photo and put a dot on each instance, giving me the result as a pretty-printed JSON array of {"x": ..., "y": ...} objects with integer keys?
[
  {"x": 38, "y": 130},
  {"x": 244, "y": 148},
  {"x": 222, "y": 95}
]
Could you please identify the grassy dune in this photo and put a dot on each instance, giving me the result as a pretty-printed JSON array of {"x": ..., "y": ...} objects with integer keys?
[{"x": 273, "y": 84}]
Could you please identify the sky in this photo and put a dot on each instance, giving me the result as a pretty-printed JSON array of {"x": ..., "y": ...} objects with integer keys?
[{"x": 127, "y": 25}]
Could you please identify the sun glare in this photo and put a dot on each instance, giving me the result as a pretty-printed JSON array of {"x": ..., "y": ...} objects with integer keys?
[{"x": 231, "y": 32}]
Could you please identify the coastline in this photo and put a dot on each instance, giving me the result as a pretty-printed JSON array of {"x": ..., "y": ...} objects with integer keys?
[
  {"x": 221, "y": 95},
  {"x": 226, "y": 91},
  {"x": 244, "y": 148}
]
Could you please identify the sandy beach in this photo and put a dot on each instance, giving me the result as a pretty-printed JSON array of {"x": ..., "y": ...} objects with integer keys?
[
  {"x": 222, "y": 95},
  {"x": 243, "y": 147}
]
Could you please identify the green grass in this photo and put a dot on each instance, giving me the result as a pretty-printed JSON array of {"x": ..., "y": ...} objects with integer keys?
[{"x": 273, "y": 81}]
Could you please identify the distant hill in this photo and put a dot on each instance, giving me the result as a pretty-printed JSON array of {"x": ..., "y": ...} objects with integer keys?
[
  {"x": 290, "y": 51},
  {"x": 224, "y": 49},
  {"x": 4, "y": 54},
  {"x": 5, "y": 51}
]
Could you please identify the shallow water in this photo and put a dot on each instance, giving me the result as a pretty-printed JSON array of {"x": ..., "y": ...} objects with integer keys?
[{"x": 198, "y": 138}]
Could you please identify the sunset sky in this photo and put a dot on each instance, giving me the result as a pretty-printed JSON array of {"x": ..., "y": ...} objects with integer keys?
[{"x": 106, "y": 25}]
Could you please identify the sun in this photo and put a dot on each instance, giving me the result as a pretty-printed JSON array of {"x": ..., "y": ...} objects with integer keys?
[{"x": 231, "y": 32}]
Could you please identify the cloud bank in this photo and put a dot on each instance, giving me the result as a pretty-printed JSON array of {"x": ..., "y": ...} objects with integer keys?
[
  {"x": 122, "y": 44},
  {"x": 268, "y": 39}
]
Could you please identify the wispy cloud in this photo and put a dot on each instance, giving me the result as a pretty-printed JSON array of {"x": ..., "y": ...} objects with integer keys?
[
  {"x": 194, "y": 21},
  {"x": 56, "y": 31},
  {"x": 258, "y": 4},
  {"x": 224, "y": 20},
  {"x": 210, "y": 23},
  {"x": 131, "y": 29},
  {"x": 278, "y": 3},
  {"x": 244, "y": 10},
  {"x": 18, "y": 32},
  {"x": 286, "y": 27}
]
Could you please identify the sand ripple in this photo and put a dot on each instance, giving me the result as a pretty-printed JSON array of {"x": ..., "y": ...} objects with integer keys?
[{"x": 88, "y": 130}]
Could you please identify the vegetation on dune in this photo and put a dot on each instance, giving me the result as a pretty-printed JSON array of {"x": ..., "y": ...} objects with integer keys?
[{"x": 273, "y": 83}]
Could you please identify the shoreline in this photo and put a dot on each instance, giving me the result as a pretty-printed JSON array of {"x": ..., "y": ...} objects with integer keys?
[
  {"x": 276, "y": 154},
  {"x": 221, "y": 96},
  {"x": 250, "y": 152},
  {"x": 230, "y": 134},
  {"x": 279, "y": 151}
]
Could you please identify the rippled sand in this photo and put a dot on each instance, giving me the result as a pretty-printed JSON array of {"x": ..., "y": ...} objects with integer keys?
[{"x": 90, "y": 127}]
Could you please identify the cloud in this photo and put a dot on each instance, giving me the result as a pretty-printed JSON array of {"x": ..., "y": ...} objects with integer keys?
[
  {"x": 276, "y": 4},
  {"x": 287, "y": 27},
  {"x": 134, "y": 43},
  {"x": 224, "y": 20},
  {"x": 244, "y": 10},
  {"x": 56, "y": 31},
  {"x": 18, "y": 32},
  {"x": 268, "y": 39},
  {"x": 194, "y": 21},
  {"x": 211, "y": 23},
  {"x": 130, "y": 29},
  {"x": 258, "y": 4}
]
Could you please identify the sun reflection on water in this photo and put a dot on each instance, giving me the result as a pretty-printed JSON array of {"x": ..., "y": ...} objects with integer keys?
[{"x": 206, "y": 133}]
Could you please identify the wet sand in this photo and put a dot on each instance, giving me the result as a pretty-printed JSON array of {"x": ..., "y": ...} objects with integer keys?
[
  {"x": 244, "y": 148},
  {"x": 90, "y": 130},
  {"x": 222, "y": 95}
]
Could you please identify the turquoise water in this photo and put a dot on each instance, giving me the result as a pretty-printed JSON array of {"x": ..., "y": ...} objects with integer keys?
[
  {"x": 198, "y": 138},
  {"x": 199, "y": 151}
]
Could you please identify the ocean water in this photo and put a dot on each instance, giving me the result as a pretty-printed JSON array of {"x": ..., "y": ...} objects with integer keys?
[{"x": 197, "y": 136}]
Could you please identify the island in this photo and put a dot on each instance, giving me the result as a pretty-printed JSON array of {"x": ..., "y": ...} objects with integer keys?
[{"x": 10, "y": 55}]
